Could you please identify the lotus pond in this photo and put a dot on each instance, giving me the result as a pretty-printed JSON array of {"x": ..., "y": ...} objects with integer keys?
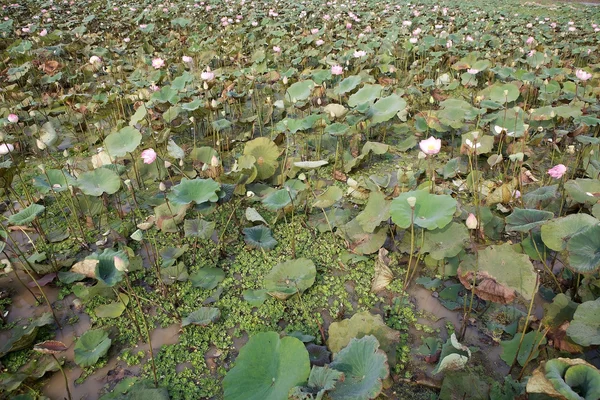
[{"x": 342, "y": 200}]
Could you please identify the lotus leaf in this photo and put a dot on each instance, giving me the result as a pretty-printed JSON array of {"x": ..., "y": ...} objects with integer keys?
[
  {"x": 567, "y": 379},
  {"x": 583, "y": 190},
  {"x": 91, "y": 346},
  {"x": 524, "y": 220},
  {"x": 348, "y": 84},
  {"x": 529, "y": 347},
  {"x": 366, "y": 94},
  {"x": 384, "y": 109},
  {"x": 255, "y": 297},
  {"x": 320, "y": 380},
  {"x": 376, "y": 211},
  {"x": 54, "y": 180},
  {"x": 279, "y": 199},
  {"x": 194, "y": 190},
  {"x": 267, "y": 368},
  {"x": 106, "y": 272},
  {"x": 329, "y": 197},
  {"x": 124, "y": 141},
  {"x": 198, "y": 228},
  {"x": 98, "y": 181},
  {"x": 266, "y": 153},
  {"x": 207, "y": 277},
  {"x": 446, "y": 242},
  {"x": 501, "y": 273},
  {"x": 454, "y": 356},
  {"x": 556, "y": 233},
  {"x": 585, "y": 328},
  {"x": 584, "y": 250},
  {"x": 364, "y": 367},
  {"x": 300, "y": 91},
  {"x": 259, "y": 237},
  {"x": 290, "y": 277},
  {"x": 114, "y": 309},
  {"x": 23, "y": 336},
  {"x": 203, "y": 316},
  {"x": 431, "y": 211},
  {"x": 26, "y": 215}
]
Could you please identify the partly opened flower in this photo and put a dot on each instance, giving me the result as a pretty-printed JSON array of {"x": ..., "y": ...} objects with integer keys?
[
  {"x": 431, "y": 146},
  {"x": 207, "y": 75},
  {"x": 359, "y": 53},
  {"x": 148, "y": 155},
  {"x": 337, "y": 70},
  {"x": 13, "y": 118},
  {"x": 471, "y": 221},
  {"x": 557, "y": 171},
  {"x": 95, "y": 60},
  {"x": 276, "y": 49},
  {"x": 6, "y": 148},
  {"x": 158, "y": 63},
  {"x": 186, "y": 59},
  {"x": 583, "y": 75}
]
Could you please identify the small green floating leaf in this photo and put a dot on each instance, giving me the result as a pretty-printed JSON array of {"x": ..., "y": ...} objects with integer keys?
[
  {"x": 259, "y": 237},
  {"x": 207, "y": 278},
  {"x": 198, "y": 228},
  {"x": 255, "y": 297},
  {"x": 204, "y": 316},
  {"x": 290, "y": 277},
  {"x": 91, "y": 346}
]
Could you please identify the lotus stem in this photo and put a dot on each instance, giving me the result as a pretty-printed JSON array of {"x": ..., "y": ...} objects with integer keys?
[
  {"x": 537, "y": 281},
  {"x": 62, "y": 371},
  {"x": 412, "y": 245}
]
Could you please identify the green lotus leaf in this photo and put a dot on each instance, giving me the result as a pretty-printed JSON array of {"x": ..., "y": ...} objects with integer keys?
[
  {"x": 454, "y": 356},
  {"x": 194, "y": 191},
  {"x": 114, "y": 309},
  {"x": 530, "y": 347},
  {"x": 446, "y": 242},
  {"x": 364, "y": 366},
  {"x": 310, "y": 164},
  {"x": 565, "y": 378},
  {"x": 431, "y": 211},
  {"x": 26, "y": 215},
  {"x": 534, "y": 198},
  {"x": 348, "y": 84},
  {"x": 290, "y": 277},
  {"x": 255, "y": 297},
  {"x": 91, "y": 346},
  {"x": 106, "y": 272},
  {"x": 207, "y": 277},
  {"x": 583, "y": 190},
  {"x": 279, "y": 199},
  {"x": 369, "y": 147},
  {"x": 321, "y": 380},
  {"x": 174, "y": 273},
  {"x": 166, "y": 95},
  {"x": 54, "y": 180},
  {"x": 23, "y": 336},
  {"x": 48, "y": 134},
  {"x": 556, "y": 233},
  {"x": 376, "y": 211},
  {"x": 501, "y": 273},
  {"x": 170, "y": 254},
  {"x": 329, "y": 197},
  {"x": 198, "y": 228},
  {"x": 203, "y": 316},
  {"x": 259, "y": 237},
  {"x": 267, "y": 368},
  {"x": 585, "y": 327},
  {"x": 483, "y": 145},
  {"x": 504, "y": 93},
  {"x": 124, "y": 141},
  {"x": 98, "y": 181},
  {"x": 524, "y": 220},
  {"x": 192, "y": 105},
  {"x": 366, "y": 94},
  {"x": 584, "y": 250},
  {"x": 221, "y": 124},
  {"x": 362, "y": 324},
  {"x": 559, "y": 311},
  {"x": 266, "y": 153},
  {"x": 169, "y": 215},
  {"x": 174, "y": 150},
  {"x": 384, "y": 109},
  {"x": 337, "y": 129},
  {"x": 299, "y": 91},
  {"x": 253, "y": 215}
]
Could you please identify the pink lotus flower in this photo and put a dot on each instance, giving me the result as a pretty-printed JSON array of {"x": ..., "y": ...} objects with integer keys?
[
  {"x": 276, "y": 49},
  {"x": 337, "y": 70},
  {"x": 413, "y": 40},
  {"x": 473, "y": 71},
  {"x": 187, "y": 59},
  {"x": 158, "y": 63},
  {"x": 149, "y": 156},
  {"x": 314, "y": 31},
  {"x": 13, "y": 118},
  {"x": 348, "y": 25},
  {"x": 319, "y": 42},
  {"x": 254, "y": 23},
  {"x": 207, "y": 75},
  {"x": 557, "y": 171},
  {"x": 582, "y": 75},
  {"x": 43, "y": 32},
  {"x": 95, "y": 60},
  {"x": 359, "y": 53},
  {"x": 6, "y": 148},
  {"x": 529, "y": 40},
  {"x": 430, "y": 146}
]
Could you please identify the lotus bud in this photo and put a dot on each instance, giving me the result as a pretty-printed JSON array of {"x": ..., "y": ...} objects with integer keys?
[
  {"x": 352, "y": 183},
  {"x": 214, "y": 161},
  {"x": 167, "y": 164},
  {"x": 471, "y": 221},
  {"x": 412, "y": 201},
  {"x": 214, "y": 103},
  {"x": 120, "y": 265},
  {"x": 127, "y": 183},
  {"x": 249, "y": 194},
  {"x": 162, "y": 187},
  {"x": 475, "y": 135},
  {"x": 319, "y": 101},
  {"x": 65, "y": 153},
  {"x": 42, "y": 168},
  {"x": 205, "y": 85},
  {"x": 181, "y": 163},
  {"x": 285, "y": 80},
  {"x": 40, "y": 145},
  {"x": 302, "y": 177},
  {"x": 571, "y": 149}
]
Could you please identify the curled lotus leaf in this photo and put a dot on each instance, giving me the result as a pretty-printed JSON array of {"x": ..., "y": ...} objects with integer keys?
[{"x": 566, "y": 379}]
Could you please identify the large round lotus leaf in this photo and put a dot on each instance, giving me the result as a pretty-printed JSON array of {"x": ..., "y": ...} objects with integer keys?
[
  {"x": 337, "y": 129},
  {"x": 259, "y": 237},
  {"x": 267, "y": 368},
  {"x": 431, "y": 211},
  {"x": 527, "y": 347},
  {"x": 583, "y": 190},
  {"x": 364, "y": 367},
  {"x": 386, "y": 108},
  {"x": 584, "y": 250},
  {"x": 203, "y": 316},
  {"x": 98, "y": 181},
  {"x": 543, "y": 194},
  {"x": 26, "y": 215},
  {"x": 106, "y": 272},
  {"x": 278, "y": 199},
  {"x": 348, "y": 84},
  {"x": 504, "y": 93},
  {"x": 299, "y": 91},
  {"x": 265, "y": 151},
  {"x": 366, "y": 94},
  {"x": 501, "y": 274},
  {"x": 198, "y": 228},
  {"x": 290, "y": 277},
  {"x": 556, "y": 233},
  {"x": 585, "y": 327},
  {"x": 565, "y": 378},
  {"x": 126, "y": 140},
  {"x": 194, "y": 190},
  {"x": 376, "y": 211},
  {"x": 53, "y": 180},
  {"x": 329, "y": 197},
  {"x": 446, "y": 242},
  {"x": 91, "y": 346},
  {"x": 207, "y": 277},
  {"x": 524, "y": 220}
]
